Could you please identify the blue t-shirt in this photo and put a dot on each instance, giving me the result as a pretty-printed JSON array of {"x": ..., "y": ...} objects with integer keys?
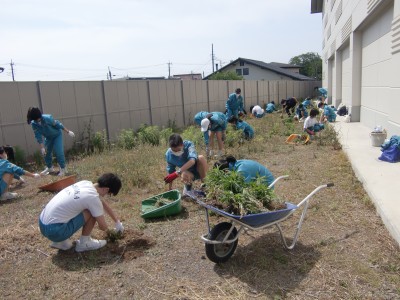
[
  {"x": 173, "y": 161},
  {"x": 251, "y": 169},
  {"x": 47, "y": 127},
  {"x": 247, "y": 129}
]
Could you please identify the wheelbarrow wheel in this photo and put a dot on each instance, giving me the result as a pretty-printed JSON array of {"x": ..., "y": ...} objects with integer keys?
[{"x": 221, "y": 252}]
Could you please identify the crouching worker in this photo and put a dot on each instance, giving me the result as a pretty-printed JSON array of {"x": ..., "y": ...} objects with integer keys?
[
  {"x": 328, "y": 113},
  {"x": 182, "y": 155},
  {"x": 9, "y": 171},
  {"x": 249, "y": 169},
  {"x": 301, "y": 112},
  {"x": 248, "y": 131},
  {"x": 311, "y": 125},
  {"x": 80, "y": 206},
  {"x": 289, "y": 105},
  {"x": 257, "y": 111},
  {"x": 270, "y": 107}
]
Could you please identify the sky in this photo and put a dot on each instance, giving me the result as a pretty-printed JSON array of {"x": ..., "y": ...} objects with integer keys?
[{"x": 79, "y": 40}]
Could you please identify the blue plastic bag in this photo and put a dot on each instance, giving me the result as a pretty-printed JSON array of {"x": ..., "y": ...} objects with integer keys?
[{"x": 391, "y": 154}]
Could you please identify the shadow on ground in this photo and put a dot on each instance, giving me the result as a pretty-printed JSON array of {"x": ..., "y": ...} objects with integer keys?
[{"x": 267, "y": 267}]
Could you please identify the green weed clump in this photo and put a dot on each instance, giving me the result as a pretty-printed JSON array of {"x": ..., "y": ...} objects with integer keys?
[
  {"x": 99, "y": 141},
  {"x": 193, "y": 134},
  {"x": 19, "y": 155},
  {"x": 149, "y": 135},
  {"x": 233, "y": 137},
  {"x": 229, "y": 191},
  {"x": 126, "y": 139},
  {"x": 165, "y": 134}
]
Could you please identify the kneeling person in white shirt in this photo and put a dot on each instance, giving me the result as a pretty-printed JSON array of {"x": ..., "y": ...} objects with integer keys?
[
  {"x": 76, "y": 206},
  {"x": 311, "y": 125}
]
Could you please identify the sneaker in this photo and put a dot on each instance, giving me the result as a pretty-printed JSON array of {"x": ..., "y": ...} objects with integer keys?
[
  {"x": 8, "y": 196},
  {"x": 62, "y": 172},
  {"x": 64, "y": 245},
  {"x": 47, "y": 171},
  {"x": 90, "y": 244}
]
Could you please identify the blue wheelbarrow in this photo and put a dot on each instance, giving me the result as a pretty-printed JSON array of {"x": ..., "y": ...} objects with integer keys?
[{"x": 221, "y": 241}]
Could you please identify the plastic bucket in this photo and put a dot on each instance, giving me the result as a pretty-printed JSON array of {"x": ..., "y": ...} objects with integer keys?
[{"x": 377, "y": 138}]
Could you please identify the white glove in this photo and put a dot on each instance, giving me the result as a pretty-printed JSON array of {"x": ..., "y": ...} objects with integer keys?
[
  {"x": 36, "y": 175},
  {"x": 43, "y": 150},
  {"x": 119, "y": 227},
  {"x": 71, "y": 134},
  {"x": 22, "y": 180}
]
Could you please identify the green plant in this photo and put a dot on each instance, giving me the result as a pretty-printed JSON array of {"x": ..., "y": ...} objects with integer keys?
[
  {"x": 237, "y": 196},
  {"x": 233, "y": 137},
  {"x": 126, "y": 139},
  {"x": 149, "y": 135},
  {"x": 99, "y": 141},
  {"x": 38, "y": 159},
  {"x": 165, "y": 134},
  {"x": 193, "y": 134},
  {"x": 19, "y": 155}
]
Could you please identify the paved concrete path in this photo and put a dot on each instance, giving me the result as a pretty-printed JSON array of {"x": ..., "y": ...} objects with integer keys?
[{"x": 380, "y": 179}]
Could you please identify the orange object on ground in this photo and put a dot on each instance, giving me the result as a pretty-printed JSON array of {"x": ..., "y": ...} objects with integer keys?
[
  {"x": 59, "y": 184},
  {"x": 298, "y": 138}
]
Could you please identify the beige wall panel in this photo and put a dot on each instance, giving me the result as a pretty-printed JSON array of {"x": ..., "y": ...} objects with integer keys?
[
  {"x": 251, "y": 97},
  {"x": 233, "y": 85},
  {"x": 263, "y": 90},
  {"x": 346, "y": 77},
  {"x": 296, "y": 89},
  {"x": 51, "y": 101},
  {"x": 218, "y": 95},
  {"x": 82, "y": 98},
  {"x": 290, "y": 89},
  {"x": 96, "y": 97},
  {"x": 28, "y": 94},
  {"x": 282, "y": 90},
  {"x": 14, "y": 135},
  {"x": 123, "y": 97},
  {"x": 140, "y": 117},
  {"x": 111, "y": 96},
  {"x": 303, "y": 90},
  {"x": 274, "y": 91},
  {"x": 138, "y": 95}
]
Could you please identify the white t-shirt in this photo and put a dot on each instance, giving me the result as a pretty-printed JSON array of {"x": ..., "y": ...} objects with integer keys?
[
  {"x": 257, "y": 110},
  {"x": 310, "y": 122},
  {"x": 70, "y": 202}
]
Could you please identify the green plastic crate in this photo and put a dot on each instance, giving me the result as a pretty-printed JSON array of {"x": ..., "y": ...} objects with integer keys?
[{"x": 149, "y": 210}]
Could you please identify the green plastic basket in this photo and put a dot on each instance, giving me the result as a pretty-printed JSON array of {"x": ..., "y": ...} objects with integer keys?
[{"x": 150, "y": 210}]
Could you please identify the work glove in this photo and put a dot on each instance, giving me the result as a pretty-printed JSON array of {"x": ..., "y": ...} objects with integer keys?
[
  {"x": 71, "y": 134},
  {"x": 36, "y": 175},
  {"x": 43, "y": 150},
  {"x": 171, "y": 177},
  {"x": 119, "y": 227}
]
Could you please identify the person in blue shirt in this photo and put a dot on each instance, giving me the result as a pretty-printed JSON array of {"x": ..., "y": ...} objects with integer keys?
[
  {"x": 328, "y": 114},
  {"x": 301, "y": 112},
  {"x": 249, "y": 169},
  {"x": 182, "y": 155},
  {"x": 9, "y": 171},
  {"x": 307, "y": 102},
  {"x": 270, "y": 107},
  {"x": 322, "y": 91},
  {"x": 44, "y": 125},
  {"x": 234, "y": 104},
  {"x": 212, "y": 125},
  {"x": 248, "y": 131}
]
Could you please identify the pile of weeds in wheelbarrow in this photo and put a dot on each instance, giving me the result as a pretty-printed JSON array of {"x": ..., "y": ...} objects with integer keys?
[{"x": 229, "y": 191}]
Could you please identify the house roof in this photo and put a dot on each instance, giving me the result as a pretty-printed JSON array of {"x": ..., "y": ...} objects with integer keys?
[{"x": 266, "y": 66}]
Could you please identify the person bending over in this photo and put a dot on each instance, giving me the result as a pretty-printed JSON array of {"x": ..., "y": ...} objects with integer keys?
[{"x": 80, "y": 205}]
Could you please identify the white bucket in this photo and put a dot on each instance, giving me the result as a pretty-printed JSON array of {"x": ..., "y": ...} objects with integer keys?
[{"x": 378, "y": 138}]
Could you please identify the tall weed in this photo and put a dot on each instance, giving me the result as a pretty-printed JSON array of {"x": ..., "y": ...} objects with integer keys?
[
  {"x": 126, "y": 139},
  {"x": 149, "y": 135}
]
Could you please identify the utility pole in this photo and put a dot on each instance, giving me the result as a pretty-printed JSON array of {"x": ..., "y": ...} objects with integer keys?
[
  {"x": 109, "y": 74},
  {"x": 12, "y": 70},
  {"x": 212, "y": 56},
  {"x": 169, "y": 69}
]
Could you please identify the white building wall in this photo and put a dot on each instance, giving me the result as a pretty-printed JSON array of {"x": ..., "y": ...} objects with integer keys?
[{"x": 363, "y": 35}]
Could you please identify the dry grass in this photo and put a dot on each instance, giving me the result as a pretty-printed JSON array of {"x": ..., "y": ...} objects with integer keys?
[{"x": 344, "y": 251}]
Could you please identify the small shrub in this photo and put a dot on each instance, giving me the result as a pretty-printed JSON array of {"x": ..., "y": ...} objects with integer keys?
[
  {"x": 99, "y": 141},
  {"x": 193, "y": 134},
  {"x": 19, "y": 155},
  {"x": 165, "y": 134},
  {"x": 38, "y": 159},
  {"x": 149, "y": 135},
  {"x": 126, "y": 139},
  {"x": 233, "y": 137}
]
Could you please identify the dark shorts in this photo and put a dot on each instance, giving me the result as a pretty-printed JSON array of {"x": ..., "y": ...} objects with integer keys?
[{"x": 59, "y": 232}]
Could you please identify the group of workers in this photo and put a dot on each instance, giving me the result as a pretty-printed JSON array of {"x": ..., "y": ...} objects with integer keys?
[{"x": 83, "y": 204}]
